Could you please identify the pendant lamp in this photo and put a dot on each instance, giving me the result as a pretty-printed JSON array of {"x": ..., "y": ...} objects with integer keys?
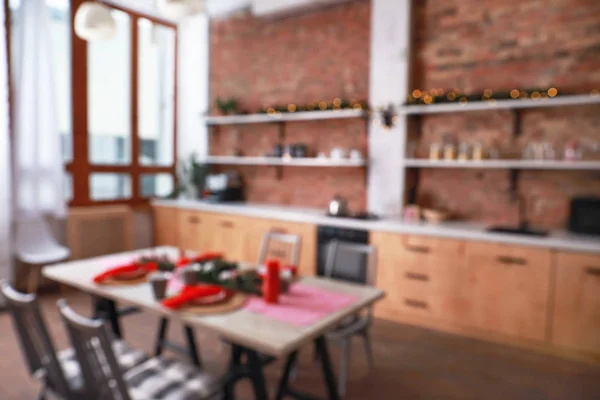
[
  {"x": 178, "y": 9},
  {"x": 93, "y": 21}
]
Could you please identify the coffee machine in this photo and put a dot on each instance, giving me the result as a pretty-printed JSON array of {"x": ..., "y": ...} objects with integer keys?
[{"x": 224, "y": 187}]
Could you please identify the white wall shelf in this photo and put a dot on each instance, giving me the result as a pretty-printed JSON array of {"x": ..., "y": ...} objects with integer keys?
[
  {"x": 291, "y": 162},
  {"x": 505, "y": 164},
  {"x": 562, "y": 101},
  {"x": 284, "y": 117}
]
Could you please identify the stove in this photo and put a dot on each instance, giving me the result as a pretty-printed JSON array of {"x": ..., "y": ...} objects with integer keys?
[{"x": 365, "y": 216}]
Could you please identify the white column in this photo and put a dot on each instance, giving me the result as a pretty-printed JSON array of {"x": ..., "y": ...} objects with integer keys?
[
  {"x": 193, "y": 78},
  {"x": 390, "y": 45}
]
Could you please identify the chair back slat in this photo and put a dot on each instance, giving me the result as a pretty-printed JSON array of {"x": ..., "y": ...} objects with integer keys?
[
  {"x": 351, "y": 262},
  {"x": 284, "y": 247},
  {"x": 34, "y": 338},
  {"x": 102, "y": 375}
]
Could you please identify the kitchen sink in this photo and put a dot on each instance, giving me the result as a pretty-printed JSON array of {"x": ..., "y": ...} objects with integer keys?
[{"x": 517, "y": 231}]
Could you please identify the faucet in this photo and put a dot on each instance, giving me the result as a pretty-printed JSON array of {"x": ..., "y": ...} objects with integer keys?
[{"x": 522, "y": 204}]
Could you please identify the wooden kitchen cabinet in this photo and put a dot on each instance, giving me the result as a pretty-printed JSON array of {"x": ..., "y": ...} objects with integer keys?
[
  {"x": 227, "y": 235},
  {"x": 166, "y": 228},
  {"x": 576, "y": 308},
  {"x": 508, "y": 289},
  {"x": 418, "y": 275},
  {"x": 195, "y": 230}
]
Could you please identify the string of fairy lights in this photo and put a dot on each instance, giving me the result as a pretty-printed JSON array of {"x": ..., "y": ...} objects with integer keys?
[{"x": 387, "y": 116}]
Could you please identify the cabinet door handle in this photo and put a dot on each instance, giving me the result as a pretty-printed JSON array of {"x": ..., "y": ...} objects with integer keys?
[
  {"x": 415, "y": 303},
  {"x": 277, "y": 230},
  {"x": 507, "y": 260},
  {"x": 226, "y": 224},
  {"x": 418, "y": 249},
  {"x": 193, "y": 220},
  {"x": 593, "y": 271},
  {"x": 416, "y": 276}
]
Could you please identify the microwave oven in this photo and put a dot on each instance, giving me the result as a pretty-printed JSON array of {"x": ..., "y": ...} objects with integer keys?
[{"x": 584, "y": 215}]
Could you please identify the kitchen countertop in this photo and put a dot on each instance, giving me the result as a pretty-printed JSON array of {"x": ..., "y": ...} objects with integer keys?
[{"x": 558, "y": 239}]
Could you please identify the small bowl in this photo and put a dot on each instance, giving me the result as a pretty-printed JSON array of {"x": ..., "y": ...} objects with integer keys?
[{"x": 435, "y": 216}]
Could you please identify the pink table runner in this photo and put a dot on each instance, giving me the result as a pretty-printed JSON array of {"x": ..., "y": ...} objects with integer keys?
[{"x": 303, "y": 305}]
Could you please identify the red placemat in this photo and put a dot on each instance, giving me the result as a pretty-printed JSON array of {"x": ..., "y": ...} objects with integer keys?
[{"x": 303, "y": 305}]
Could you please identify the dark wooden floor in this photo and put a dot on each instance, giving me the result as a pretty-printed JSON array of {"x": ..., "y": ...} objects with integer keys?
[{"x": 411, "y": 363}]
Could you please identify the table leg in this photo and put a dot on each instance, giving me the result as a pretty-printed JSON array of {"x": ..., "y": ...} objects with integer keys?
[
  {"x": 252, "y": 369},
  {"x": 285, "y": 378},
  {"x": 105, "y": 308},
  {"x": 256, "y": 375},
  {"x": 321, "y": 346},
  {"x": 192, "y": 348},
  {"x": 322, "y": 355},
  {"x": 162, "y": 332},
  {"x": 162, "y": 342}
]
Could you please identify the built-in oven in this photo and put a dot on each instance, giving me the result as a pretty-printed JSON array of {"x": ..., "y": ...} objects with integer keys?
[{"x": 355, "y": 268}]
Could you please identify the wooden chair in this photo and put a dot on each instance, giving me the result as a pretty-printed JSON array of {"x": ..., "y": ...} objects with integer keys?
[
  {"x": 59, "y": 373},
  {"x": 284, "y": 247},
  {"x": 156, "y": 378}
]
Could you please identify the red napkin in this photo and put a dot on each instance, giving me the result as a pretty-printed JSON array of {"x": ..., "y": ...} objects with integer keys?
[
  {"x": 190, "y": 293},
  {"x": 199, "y": 259},
  {"x": 124, "y": 269}
]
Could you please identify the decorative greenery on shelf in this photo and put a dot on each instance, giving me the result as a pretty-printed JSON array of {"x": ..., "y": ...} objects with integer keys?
[
  {"x": 323, "y": 105},
  {"x": 437, "y": 96},
  {"x": 387, "y": 117},
  {"x": 227, "y": 106}
]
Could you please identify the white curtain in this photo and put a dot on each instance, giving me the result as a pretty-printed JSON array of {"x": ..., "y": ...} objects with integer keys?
[
  {"x": 5, "y": 187},
  {"x": 38, "y": 165}
]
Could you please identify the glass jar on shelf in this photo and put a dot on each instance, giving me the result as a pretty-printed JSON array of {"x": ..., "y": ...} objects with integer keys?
[
  {"x": 449, "y": 151},
  {"x": 463, "y": 152},
  {"x": 478, "y": 152},
  {"x": 435, "y": 150},
  {"x": 572, "y": 151},
  {"x": 529, "y": 152},
  {"x": 548, "y": 152}
]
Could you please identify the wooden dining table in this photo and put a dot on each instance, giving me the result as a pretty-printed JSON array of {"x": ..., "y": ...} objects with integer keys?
[{"x": 256, "y": 339}]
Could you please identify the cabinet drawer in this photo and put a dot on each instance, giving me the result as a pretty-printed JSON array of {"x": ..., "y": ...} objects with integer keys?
[
  {"x": 508, "y": 255},
  {"x": 576, "y": 317},
  {"x": 432, "y": 245}
]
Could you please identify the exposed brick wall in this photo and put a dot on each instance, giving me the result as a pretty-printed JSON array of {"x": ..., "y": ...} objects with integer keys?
[
  {"x": 472, "y": 45},
  {"x": 300, "y": 59},
  {"x": 502, "y": 44},
  {"x": 466, "y": 44}
]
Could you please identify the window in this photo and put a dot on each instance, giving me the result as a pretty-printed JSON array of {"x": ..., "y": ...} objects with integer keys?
[
  {"x": 109, "y": 96},
  {"x": 125, "y": 143},
  {"x": 117, "y": 108}
]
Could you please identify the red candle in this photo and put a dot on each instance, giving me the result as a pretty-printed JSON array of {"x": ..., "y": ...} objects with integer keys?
[{"x": 271, "y": 282}]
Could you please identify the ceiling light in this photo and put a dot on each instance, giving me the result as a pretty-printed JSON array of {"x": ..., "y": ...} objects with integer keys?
[
  {"x": 177, "y": 9},
  {"x": 93, "y": 21}
]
